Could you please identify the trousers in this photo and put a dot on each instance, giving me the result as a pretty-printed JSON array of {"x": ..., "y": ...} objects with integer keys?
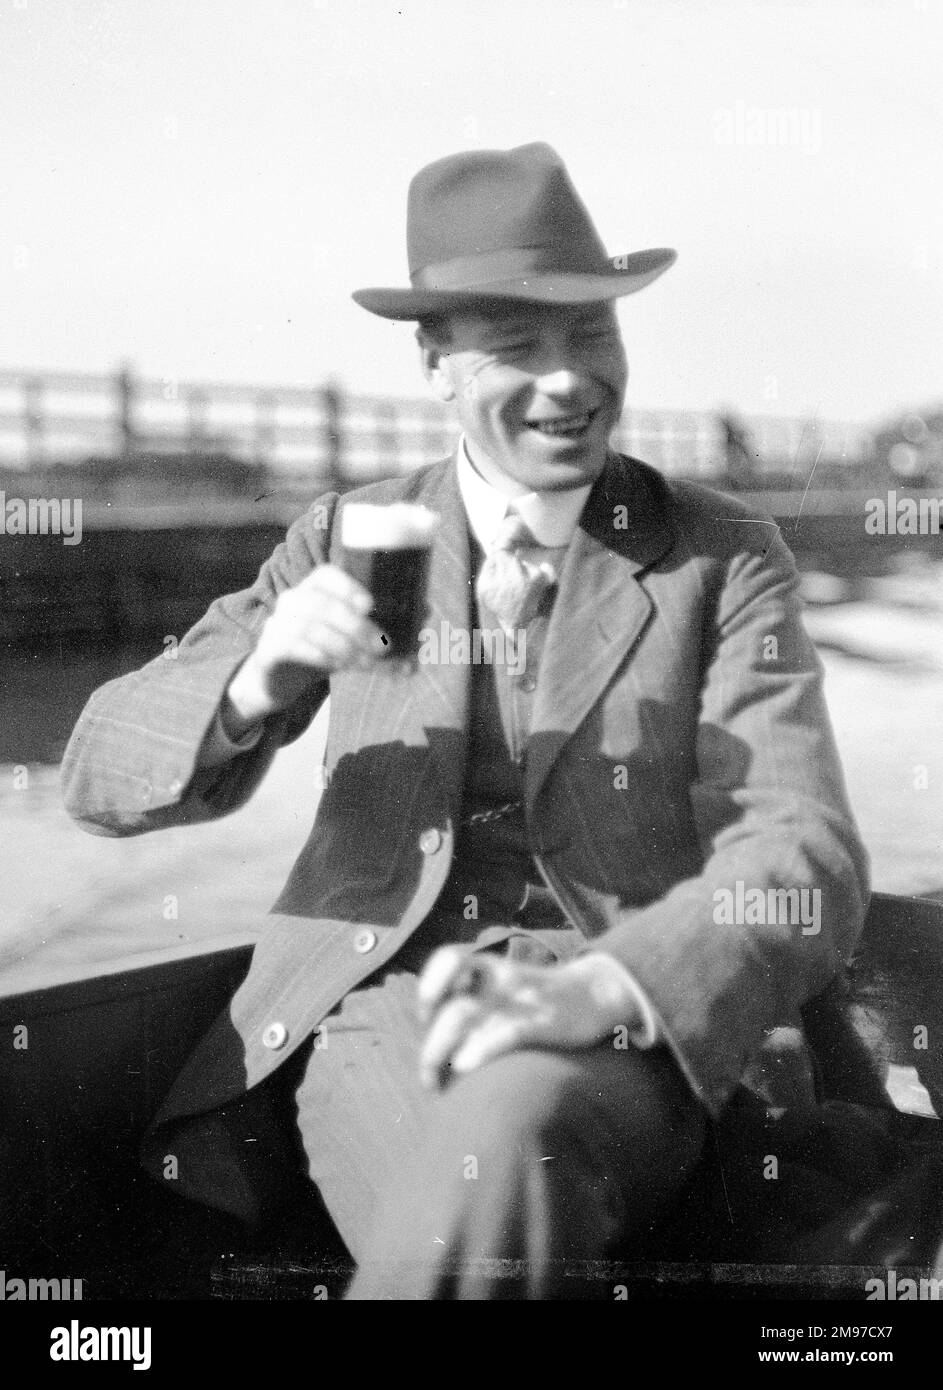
[{"x": 511, "y": 1182}]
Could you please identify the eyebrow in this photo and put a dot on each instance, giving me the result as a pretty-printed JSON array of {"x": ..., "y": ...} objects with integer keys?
[
  {"x": 528, "y": 325},
  {"x": 509, "y": 326}
]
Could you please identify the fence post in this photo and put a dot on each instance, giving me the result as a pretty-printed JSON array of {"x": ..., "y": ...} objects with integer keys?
[
  {"x": 33, "y": 419},
  {"x": 388, "y": 449},
  {"x": 124, "y": 389},
  {"x": 331, "y": 403}
]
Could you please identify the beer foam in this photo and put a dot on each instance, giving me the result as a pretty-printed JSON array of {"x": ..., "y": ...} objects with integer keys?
[{"x": 399, "y": 526}]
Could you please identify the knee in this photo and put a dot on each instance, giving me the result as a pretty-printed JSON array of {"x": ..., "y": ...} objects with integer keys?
[
  {"x": 616, "y": 1107},
  {"x": 520, "y": 1101}
]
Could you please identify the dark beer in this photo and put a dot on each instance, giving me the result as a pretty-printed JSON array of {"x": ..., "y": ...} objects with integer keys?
[{"x": 386, "y": 549}]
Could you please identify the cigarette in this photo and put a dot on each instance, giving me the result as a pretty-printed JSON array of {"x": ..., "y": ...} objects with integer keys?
[{"x": 471, "y": 981}]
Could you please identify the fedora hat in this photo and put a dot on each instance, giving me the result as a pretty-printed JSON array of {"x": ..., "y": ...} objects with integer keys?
[{"x": 505, "y": 225}]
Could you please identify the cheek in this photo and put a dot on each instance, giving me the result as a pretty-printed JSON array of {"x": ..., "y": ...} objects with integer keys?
[
  {"x": 621, "y": 376},
  {"x": 610, "y": 364},
  {"x": 474, "y": 390},
  {"x": 615, "y": 371},
  {"x": 491, "y": 401}
]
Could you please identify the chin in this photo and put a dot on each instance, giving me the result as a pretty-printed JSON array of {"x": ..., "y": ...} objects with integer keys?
[
  {"x": 563, "y": 479},
  {"x": 575, "y": 472}
]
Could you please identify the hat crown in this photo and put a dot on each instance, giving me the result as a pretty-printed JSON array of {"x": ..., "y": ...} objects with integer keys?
[{"x": 481, "y": 202}]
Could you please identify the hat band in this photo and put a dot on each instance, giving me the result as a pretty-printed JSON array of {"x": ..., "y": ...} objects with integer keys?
[{"x": 468, "y": 272}]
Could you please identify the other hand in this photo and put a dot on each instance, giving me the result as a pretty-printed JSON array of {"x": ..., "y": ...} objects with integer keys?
[{"x": 478, "y": 1006}]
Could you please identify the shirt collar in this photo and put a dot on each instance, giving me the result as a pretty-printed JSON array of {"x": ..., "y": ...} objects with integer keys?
[{"x": 551, "y": 516}]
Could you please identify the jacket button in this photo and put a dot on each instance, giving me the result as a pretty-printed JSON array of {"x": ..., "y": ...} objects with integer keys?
[
  {"x": 430, "y": 840},
  {"x": 365, "y": 941},
  {"x": 528, "y": 684},
  {"x": 275, "y": 1036}
]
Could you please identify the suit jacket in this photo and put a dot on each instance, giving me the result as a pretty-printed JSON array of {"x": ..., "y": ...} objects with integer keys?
[{"x": 680, "y": 745}]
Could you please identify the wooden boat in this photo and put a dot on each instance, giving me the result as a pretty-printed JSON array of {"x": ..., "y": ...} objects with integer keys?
[{"x": 86, "y": 1062}]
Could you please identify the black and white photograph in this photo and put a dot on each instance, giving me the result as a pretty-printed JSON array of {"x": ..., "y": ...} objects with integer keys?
[{"x": 471, "y": 663}]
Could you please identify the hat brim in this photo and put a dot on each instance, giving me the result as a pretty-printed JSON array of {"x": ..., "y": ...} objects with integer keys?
[{"x": 628, "y": 275}]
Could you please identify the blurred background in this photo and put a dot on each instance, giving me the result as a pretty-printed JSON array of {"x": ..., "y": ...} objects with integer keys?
[{"x": 191, "y": 193}]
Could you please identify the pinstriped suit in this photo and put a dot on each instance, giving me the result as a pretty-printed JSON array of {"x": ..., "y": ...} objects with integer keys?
[{"x": 674, "y": 750}]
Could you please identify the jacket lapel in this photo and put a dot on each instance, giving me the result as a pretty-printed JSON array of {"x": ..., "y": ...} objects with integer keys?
[
  {"x": 441, "y": 687},
  {"x": 600, "y": 608}
]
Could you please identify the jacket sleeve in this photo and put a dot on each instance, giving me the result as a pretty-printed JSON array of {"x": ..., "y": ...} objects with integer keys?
[
  {"x": 724, "y": 955},
  {"x": 133, "y": 761}
]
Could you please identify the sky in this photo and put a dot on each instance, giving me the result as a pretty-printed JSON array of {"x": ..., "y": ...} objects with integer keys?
[{"x": 197, "y": 188}]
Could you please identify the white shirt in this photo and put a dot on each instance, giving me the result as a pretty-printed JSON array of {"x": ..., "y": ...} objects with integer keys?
[{"x": 551, "y": 516}]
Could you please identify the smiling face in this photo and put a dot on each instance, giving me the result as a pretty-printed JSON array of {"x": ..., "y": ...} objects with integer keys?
[{"x": 538, "y": 389}]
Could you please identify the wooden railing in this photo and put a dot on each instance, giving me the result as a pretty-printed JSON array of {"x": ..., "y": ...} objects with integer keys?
[{"x": 56, "y": 418}]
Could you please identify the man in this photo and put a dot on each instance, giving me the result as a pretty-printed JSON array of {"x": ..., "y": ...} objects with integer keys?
[{"x": 513, "y": 966}]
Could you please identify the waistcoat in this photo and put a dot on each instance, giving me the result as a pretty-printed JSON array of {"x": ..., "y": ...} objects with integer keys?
[{"x": 494, "y": 881}]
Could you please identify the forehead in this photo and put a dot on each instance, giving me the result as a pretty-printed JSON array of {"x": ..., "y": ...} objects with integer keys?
[{"x": 494, "y": 320}]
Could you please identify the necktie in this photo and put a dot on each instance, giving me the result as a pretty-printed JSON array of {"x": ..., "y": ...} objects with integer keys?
[{"x": 510, "y": 585}]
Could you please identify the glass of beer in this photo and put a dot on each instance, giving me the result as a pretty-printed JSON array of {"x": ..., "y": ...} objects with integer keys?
[{"x": 386, "y": 549}]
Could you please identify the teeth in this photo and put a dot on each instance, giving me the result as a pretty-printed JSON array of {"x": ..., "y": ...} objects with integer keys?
[{"x": 571, "y": 425}]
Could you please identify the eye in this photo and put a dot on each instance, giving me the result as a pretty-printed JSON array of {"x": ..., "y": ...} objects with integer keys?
[{"x": 520, "y": 347}]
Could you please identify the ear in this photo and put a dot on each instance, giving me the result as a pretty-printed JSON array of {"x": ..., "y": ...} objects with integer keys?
[{"x": 434, "y": 370}]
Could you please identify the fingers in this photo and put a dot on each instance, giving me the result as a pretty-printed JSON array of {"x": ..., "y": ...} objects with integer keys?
[
  {"x": 322, "y": 622},
  {"x": 340, "y": 632},
  {"x": 452, "y": 992},
  {"x": 480, "y": 1007},
  {"x": 494, "y": 1035},
  {"x": 469, "y": 1031},
  {"x": 317, "y": 627},
  {"x": 448, "y": 1031},
  {"x": 331, "y": 579},
  {"x": 450, "y": 970},
  {"x": 321, "y": 644}
]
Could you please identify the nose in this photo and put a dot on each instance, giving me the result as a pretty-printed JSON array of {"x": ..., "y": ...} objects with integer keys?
[{"x": 562, "y": 383}]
